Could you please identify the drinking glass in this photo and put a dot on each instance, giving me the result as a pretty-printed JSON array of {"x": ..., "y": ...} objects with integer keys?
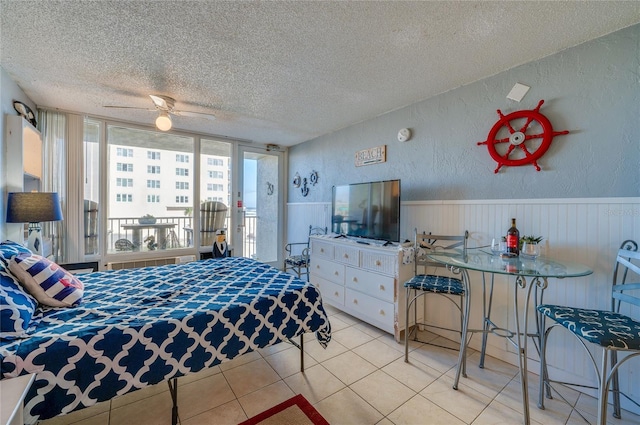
[
  {"x": 530, "y": 250},
  {"x": 498, "y": 246}
]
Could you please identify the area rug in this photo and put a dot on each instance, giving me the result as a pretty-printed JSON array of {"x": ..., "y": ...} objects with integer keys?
[{"x": 295, "y": 411}]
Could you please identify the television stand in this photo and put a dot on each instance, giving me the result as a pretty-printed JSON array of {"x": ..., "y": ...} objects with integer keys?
[{"x": 364, "y": 280}]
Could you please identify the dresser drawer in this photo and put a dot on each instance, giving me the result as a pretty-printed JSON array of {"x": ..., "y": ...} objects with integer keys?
[
  {"x": 373, "y": 309},
  {"x": 321, "y": 249},
  {"x": 330, "y": 292},
  {"x": 347, "y": 255},
  {"x": 379, "y": 262},
  {"x": 328, "y": 270},
  {"x": 374, "y": 284}
]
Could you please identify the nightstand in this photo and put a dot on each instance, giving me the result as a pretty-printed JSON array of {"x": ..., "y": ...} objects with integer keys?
[
  {"x": 81, "y": 268},
  {"x": 12, "y": 394}
]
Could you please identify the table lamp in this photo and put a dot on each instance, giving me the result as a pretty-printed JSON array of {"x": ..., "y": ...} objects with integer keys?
[{"x": 33, "y": 208}]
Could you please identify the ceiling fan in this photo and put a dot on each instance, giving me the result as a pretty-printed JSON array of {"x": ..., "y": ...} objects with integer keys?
[{"x": 165, "y": 106}]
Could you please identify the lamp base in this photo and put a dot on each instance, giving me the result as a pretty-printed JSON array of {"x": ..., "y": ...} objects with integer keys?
[{"x": 34, "y": 241}]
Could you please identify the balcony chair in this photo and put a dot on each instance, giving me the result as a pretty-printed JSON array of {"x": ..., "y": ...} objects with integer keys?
[
  {"x": 297, "y": 256},
  {"x": 612, "y": 330},
  {"x": 451, "y": 285},
  {"x": 213, "y": 215}
]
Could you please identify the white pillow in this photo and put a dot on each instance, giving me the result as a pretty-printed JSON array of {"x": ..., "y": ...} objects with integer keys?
[{"x": 46, "y": 281}]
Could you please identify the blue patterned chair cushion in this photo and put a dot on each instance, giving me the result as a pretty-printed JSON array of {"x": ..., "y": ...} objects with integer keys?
[
  {"x": 604, "y": 328},
  {"x": 437, "y": 284},
  {"x": 16, "y": 308},
  {"x": 297, "y": 260},
  {"x": 9, "y": 249}
]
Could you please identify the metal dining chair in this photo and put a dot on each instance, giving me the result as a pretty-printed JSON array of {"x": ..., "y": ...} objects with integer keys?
[
  {"x": 612, "y": 330},
  {"x": 298, "y": 257},
  {"x": 451, "y": 285}
]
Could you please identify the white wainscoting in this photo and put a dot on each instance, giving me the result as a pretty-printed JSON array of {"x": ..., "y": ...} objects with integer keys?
[{"x": 588, "y": 231}]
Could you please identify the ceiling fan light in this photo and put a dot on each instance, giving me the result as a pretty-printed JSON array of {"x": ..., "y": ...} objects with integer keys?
[{"x": 163, "y": 122}]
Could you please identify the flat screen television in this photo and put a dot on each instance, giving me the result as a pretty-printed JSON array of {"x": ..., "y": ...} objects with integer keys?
[{"x": 367, "y": 210}]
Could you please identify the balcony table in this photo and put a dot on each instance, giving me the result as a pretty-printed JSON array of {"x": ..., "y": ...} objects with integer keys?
[
  {"x": 537, "y": 271},
  {"x": 137, "y": 233}
]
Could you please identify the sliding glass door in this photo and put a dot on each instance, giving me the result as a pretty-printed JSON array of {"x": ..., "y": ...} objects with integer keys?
[{"x": 258, "y": 207}]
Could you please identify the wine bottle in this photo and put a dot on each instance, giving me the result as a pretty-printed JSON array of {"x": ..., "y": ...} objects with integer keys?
[{"x": 513, "y": 239}]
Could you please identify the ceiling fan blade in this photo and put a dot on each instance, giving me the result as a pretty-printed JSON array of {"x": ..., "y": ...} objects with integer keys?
[
  {"x": 194, "y": 114},
  {"x": 127, "y": 107}
]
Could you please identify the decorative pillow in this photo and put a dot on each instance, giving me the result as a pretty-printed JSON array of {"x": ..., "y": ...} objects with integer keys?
[
  {"x": 9, "y": 249},
  {"x": 46, "y": 281},
  {"x": 16, "y": 308}
]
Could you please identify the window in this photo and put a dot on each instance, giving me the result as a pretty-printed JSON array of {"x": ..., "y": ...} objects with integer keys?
[
  {"x": 124, "y": 152},
  {"x": 155, "y": 152},
  {"x": 214, "y": 153},
  {"x": 91, "y": 189},
  {"x": 122, "y": 166},
  {"x": 215, "y": 198},
  {"x": 182, "y": 171},
  {"x": 124, "y": 182},
  {"x": 182, "y": 158},
  {"x": 182, "y": 185},
  {"x": 214, "y": 187},
  {"x": 215, "y": 161}
]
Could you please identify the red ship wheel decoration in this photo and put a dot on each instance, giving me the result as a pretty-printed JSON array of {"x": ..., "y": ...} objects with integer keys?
[{"x": 502, "y": 148}]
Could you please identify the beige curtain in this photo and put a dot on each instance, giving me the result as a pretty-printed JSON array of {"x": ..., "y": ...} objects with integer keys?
[{"x": 53, "y": 127}]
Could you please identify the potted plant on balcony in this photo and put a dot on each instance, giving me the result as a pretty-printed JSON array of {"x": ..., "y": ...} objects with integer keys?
[{"x": 147, "y": 219}]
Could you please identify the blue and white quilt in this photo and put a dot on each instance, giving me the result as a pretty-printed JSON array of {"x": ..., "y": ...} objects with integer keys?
[{"x": 139, "y": 327}]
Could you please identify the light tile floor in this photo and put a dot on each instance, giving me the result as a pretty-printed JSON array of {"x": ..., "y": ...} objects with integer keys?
[{"x": 361, "y": 378}]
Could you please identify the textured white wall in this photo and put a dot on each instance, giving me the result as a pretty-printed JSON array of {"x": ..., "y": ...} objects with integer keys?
[{"x": 9, "y": 92}]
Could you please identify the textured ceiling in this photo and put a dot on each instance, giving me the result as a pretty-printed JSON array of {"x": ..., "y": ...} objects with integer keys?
[{"x": 279, "y": 72}]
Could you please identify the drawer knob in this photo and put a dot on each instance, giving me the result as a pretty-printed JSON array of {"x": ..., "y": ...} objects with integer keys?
[
  {"x": 355, "y": 279},
  {"x": 321, "y": 249},
  {"x": 336, "y": 293},
  {"x": 346, "y": 255},
  {"x": 378, "y": 263},
  {"x": 382, "y": 287},
  {"x": 336, "y": 273},
  {"x": 317, "y": 266},
  {"x": 381, "y": 312},
  {"x": 355, "y": 301}
]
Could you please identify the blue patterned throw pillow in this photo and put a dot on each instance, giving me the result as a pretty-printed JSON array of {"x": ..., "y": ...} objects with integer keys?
[
  {"x": 8, "y": 250},
  {"x": 16, "y": 308},
  {"x": 46, "y": 281}
]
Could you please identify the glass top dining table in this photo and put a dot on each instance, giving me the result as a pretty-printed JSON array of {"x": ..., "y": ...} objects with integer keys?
[
  {"x": 528, "y": 273},
  {"x": 483, "y": 261}
]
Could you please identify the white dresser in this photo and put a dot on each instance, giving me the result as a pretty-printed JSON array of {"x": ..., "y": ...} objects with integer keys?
[{"x": 362, "y": 280}]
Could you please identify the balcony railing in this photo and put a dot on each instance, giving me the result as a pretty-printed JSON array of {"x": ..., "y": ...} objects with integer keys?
[{"x": 128, "y": 234}]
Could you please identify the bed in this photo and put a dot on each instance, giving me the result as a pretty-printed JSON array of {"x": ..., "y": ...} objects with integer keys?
[{"x": 139, "y": 327}]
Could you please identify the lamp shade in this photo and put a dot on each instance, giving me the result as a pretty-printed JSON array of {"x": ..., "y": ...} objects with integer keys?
[
  {"x": 163, "y": 122},
  {"x": 33, "y": 207}
]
